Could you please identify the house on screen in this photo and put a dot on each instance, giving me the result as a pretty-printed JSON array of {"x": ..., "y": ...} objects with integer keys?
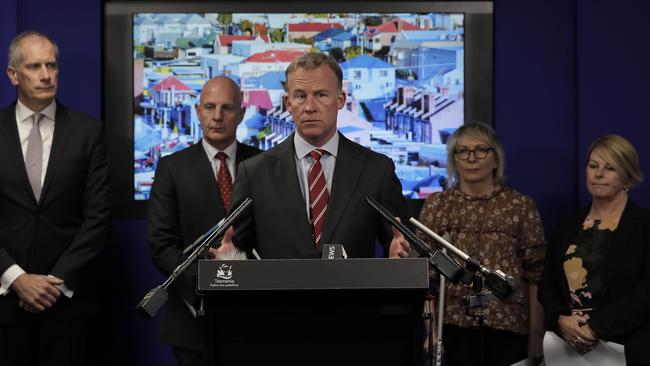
[
  {"x": 380, "y": 37},
  {"x": 194, "y": 23},
  {"x": 307, "y": 31},
  {"x": 344, "y": 40},
  {"x": 369, "y": 77},
  {"x": 218, "y": 64},
  {"x": 144, "y": 30},
  {"x": 223, "y": 44},
  {"x": 271, "y": 60},
  {"x": 323, "y": 40},
  {"x": 272, "y": 82}
]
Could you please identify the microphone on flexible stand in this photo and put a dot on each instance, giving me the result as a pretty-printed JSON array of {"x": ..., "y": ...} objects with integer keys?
[
  {"x": 198, "y": 241},
  {"x": 438, "y": 259},
  {"x": 156, "y": 297},
  {"x": 500, "y": 284}
]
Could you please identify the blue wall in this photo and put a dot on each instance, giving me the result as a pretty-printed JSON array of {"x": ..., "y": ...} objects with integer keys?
[{"x": 566, "y": 71}]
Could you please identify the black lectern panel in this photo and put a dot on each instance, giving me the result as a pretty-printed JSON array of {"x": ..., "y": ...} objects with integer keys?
[
  {"x": 313, "y": 274},
  {"x": 314, "y": 312}
]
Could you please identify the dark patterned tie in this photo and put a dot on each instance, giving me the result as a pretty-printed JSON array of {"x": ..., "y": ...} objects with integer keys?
[
  {"x": 224, "y": 181},
  {"x": 34, "y": 156},
  {"x": 318, "y": 195}
]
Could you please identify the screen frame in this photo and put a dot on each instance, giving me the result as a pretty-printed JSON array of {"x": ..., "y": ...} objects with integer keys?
[{"x": 118, "y": 67}]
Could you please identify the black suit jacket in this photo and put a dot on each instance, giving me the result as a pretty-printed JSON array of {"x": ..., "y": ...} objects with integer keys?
[
  {"x": 64, "y": 232},
  {"x": 625, "y": 317},
  {"x": 184, "y": 204},
  {"x": 279, "y": 226}
]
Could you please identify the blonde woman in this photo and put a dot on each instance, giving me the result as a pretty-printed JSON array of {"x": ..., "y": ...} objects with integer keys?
[{"x": 595, "y": 287}]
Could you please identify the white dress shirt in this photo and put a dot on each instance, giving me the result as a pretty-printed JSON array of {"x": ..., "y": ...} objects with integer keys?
[
  {"x": 304, "y": 162},
  {"x": 212, "y": 151},
  {"x": 46, "y": 126}
]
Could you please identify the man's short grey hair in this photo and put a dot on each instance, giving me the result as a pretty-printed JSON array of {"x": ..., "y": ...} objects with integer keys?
[
  {"x": 16, "y": 57},
  {"x": 312, "y": 60}
]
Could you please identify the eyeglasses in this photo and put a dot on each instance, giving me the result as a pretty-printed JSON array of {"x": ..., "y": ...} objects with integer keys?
[{"x": 480, "y": 152}]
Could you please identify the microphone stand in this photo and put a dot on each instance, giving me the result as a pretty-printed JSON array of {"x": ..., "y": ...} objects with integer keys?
[
  {"x": 437, "y": 258},
  {"x": 156, "y": 297},
  {"x": 441, "y": 314},
  {"x": 500, "y": 284}
]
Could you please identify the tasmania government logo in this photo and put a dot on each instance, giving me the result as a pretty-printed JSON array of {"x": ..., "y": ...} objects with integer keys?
[{"x": 224, "y": 272}]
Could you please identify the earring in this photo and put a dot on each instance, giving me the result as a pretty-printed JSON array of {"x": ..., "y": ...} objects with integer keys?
[{"x": 626, "y": 189}]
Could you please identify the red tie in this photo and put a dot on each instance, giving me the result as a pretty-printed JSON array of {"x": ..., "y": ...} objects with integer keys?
[
  {"x": 224, "y": 181},
  {"x": 318, "y": 195}
]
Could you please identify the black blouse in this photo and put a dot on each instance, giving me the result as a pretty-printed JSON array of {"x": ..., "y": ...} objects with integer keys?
[{"x": 583, "y": 264}]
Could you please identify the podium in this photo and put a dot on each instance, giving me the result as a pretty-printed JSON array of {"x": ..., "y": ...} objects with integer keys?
[{"x": 314, "y": 311}]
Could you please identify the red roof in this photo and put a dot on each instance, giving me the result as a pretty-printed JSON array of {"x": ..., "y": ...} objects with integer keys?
[
  {"x": 170, "y": 82},
  {"x": 257, "y": 97},
  {"x": 312, "y": 27},
  {"x": 392, "y": 27},
  {"x": 276, "y": 56},
  {"x": 226, "y": 40}
]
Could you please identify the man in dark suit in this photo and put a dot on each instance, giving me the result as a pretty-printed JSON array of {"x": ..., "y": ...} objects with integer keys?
[
  {"x": 190, "y": 194},
  {"x": 54, "y": 214},
  {"x": 311, "y": 189}
]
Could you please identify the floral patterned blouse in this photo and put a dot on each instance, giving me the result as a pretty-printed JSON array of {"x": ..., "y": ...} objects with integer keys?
[
  {"x": 503, "y": 230},
  {"x": 583, "y": 264}
]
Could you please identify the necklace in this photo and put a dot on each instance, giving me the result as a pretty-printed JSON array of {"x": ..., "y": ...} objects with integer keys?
[
  {"x": 602, "y": 219},
  {"x": 608, "y": 218}
]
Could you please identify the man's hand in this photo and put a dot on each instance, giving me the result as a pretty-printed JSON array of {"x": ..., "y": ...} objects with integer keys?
[
  {"x": 26, "y": 307},
  {"x": 37, "y": 292},
  {"x": 227, "y": 246},
  {"x": 399, "y": 246}
]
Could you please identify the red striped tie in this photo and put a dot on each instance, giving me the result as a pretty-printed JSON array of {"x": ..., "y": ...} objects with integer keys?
[
  {"x": 224, "y": 181},
  {"x": 318, "y": 195}
]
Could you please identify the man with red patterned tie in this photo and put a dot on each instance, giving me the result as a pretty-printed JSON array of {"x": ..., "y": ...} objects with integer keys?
[
  {"x": 311, "y": 188},
  {"x": 190, "y": 194}
]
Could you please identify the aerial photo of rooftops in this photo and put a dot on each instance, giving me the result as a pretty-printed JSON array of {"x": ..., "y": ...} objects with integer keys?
[{"x": 403, "y": 75}]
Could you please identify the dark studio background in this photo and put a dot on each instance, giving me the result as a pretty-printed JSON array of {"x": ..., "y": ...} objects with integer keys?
[{"x": 566, "y": 71}]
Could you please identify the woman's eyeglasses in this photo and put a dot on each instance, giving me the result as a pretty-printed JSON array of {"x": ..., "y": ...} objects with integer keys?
[{"x": 480, "y": 152}]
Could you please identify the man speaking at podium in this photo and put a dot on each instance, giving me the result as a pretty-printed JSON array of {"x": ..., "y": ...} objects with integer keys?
[{"x": 311, "y": 189}]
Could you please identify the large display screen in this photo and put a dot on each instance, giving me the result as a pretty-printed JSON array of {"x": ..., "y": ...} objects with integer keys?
[
  {"x": 403, "y": 74},
  {"x": 413, "y": 73}
]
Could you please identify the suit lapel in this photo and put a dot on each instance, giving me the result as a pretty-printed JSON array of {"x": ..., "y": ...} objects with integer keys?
[
  {"x": 243, "y": 153},
  {"x": 287, "y": 186},
  {"x": 62, "y": 132},
  {"x": 9, "y": 133},
  {"x": 347, "y": 170},
  {"x": 619, "y": 241},
  {"x": 201, "y": 167}
]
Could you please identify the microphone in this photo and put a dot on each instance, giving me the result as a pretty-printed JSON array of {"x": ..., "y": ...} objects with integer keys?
[
  {"x": 156, "y": 297},
  {"x": 501, "y": 284},
  {"x": 198, "y": 241},
  {"x": 440, "y": 260}
]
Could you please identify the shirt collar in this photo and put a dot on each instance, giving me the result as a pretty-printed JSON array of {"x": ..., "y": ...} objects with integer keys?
[
  {"x": 22, "y": 112},
  {"x": 211, "y": 151},
  {"x": 303, "y": 148},
  {"x": 497, "y": 190}
]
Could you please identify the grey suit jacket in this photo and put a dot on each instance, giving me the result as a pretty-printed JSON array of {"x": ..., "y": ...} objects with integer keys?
[{"x": 278, "y": 226}]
